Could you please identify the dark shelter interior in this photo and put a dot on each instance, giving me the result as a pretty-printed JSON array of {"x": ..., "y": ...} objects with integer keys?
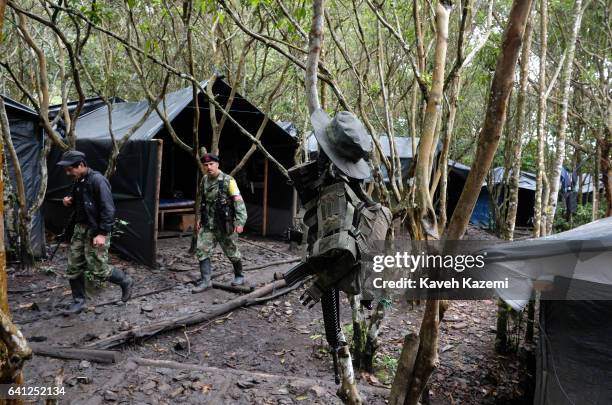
[{"x": 141, "y": 185}]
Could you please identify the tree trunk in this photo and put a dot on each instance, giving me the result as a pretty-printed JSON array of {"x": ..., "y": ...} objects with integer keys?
[
  {"x": 427, "y": 355},
  {"x": 494, "y": 120},
  {"x": 517, "y": 146},
  {"x": 405, "y": 365},
  {"x": 537, "y": 209},
  {"x": 14, "y": 350},
  {"x": 425, "y": 215},
  {"x": 529, "y": 331},
  {"x": 371, "y": 342},
  {"x": 360, "y": 333},
  {"x": 348, "y": 391},
  {"x": 559, "y": 157},
  {"x": 315, "y": 42},
  {"x": 501, "y": 332},
  {"x": 449, "y": 124},
  {"x": 2, "y": 10},
  {"x": 606, "y": 161},
  {"x": 595, "y": 184},
  {"x": 423, "y": 222}
]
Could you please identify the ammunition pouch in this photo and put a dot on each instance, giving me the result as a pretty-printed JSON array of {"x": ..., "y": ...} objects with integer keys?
[{"x": 224, "y": 209}]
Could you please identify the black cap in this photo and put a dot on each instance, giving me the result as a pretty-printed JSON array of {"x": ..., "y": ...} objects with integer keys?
[
  {"x": 210, "y": 157},
  {"x": 71, "y": 157}
]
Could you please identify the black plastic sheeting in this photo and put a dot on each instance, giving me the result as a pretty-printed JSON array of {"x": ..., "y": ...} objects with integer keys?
[
  {"x": 574, "y": 362},
  {"x": 134, "y": 192},
  {"x": 27, "y": 137}
]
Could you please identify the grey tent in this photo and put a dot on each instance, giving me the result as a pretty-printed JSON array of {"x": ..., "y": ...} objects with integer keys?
[
  {"x": 574, "y": 359},
  {"x": 153, "y": 172},
  {"x": 27, "y": 136},
  {"x": 89, "y": 104}
]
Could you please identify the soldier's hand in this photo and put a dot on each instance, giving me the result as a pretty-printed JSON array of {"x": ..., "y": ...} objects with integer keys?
[
  {"x": 99, "y": 241},
  {"x": 238, "y": 229},
  {"x": 198, "y": 225},
  {"x": 67, "y": 201}
]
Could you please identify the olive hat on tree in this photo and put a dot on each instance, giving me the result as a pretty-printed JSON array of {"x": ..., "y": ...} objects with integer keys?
[{"x": 345, "y": 141}]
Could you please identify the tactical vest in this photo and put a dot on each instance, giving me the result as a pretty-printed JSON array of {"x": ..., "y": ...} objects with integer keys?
[
  {"x": 217, "y": 208},
  {"x": 337, "y": 224}
]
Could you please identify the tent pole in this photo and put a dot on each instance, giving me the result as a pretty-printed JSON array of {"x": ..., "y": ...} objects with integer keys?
[{"x": 265, "y": 200}]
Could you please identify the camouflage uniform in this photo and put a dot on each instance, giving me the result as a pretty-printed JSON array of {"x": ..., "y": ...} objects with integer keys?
[
  {"x": 84, "y": 258},
  {"x": 209, "y": 233}
]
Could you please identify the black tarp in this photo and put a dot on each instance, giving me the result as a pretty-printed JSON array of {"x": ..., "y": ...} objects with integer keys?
[
  {"x": 27, "y": 136},
  {"x": 574, "y": 361},
  {"x": 178, "y": 170},
  {"x": 134, "y": 192}
]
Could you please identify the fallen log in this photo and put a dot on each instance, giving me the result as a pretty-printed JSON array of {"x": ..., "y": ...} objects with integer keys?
[
  {"x": 276, "y": 263},
  {"x": 152, "y": 329},
  {"x": 307, "y": 382},
  {"x": 97, "y": 356},
  {"x": 279, "y": 292},
  {"x": 240, "y": 289}
]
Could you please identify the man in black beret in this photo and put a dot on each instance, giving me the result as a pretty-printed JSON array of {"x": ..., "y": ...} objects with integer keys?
[{"x": 223, "y": 215}]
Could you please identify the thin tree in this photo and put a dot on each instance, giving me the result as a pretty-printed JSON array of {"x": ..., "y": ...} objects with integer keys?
[
  {"x": 559, "y": 157},
  {"x": 14, "y": 349},
  {"x": 541, "y": 131}
]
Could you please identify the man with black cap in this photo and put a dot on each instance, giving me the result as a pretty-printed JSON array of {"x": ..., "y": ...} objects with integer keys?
[
  {"x": 222, "y": 217},
  {"x": 92, "y": 200}
]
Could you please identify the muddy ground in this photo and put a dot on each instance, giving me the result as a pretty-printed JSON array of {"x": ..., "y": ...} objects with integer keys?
[{"x": 272, "y": 353}]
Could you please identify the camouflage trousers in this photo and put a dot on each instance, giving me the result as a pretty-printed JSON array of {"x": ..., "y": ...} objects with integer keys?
[
  {"x": 84, "y": 258},
  {"x": 207, "y": 239}
]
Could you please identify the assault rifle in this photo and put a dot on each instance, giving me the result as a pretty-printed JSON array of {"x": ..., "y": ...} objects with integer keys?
[
  {"x": 64, "y": 235},
  {"x": 330, "y": 307}
]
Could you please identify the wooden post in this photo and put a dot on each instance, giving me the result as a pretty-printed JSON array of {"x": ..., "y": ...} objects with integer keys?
[
  {"x": 160, "y": 148},
  {"x": 265, "y": 200}
]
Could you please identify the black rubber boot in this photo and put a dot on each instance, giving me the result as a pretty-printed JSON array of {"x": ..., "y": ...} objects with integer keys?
[
  {"x": 238, "y": 276},
  {"x": 77, "y": 285},
  {"x": 205, "y": 272},
  {"x": 124, "y": 281}
]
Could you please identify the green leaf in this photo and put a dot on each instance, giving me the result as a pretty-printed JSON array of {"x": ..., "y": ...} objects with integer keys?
[{"x": 300, "y": 13}]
